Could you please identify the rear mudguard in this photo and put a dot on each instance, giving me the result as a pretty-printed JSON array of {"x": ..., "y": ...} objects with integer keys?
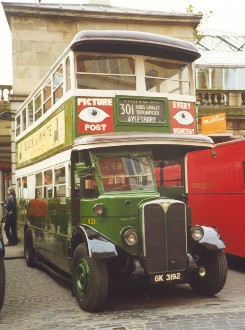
[
  {"x": 211, "y": 239},
  {"x": 97, "y": 245}
]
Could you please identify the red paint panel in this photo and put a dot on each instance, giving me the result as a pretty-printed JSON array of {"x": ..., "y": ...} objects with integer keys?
[{"x": 217, "y": 192}]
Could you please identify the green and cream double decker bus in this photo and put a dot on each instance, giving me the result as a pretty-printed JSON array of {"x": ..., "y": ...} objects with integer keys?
[{"x": 102, "y": 147}]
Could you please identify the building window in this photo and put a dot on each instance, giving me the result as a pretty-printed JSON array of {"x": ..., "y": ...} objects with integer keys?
[
  {"x": 225, "y": 78},
  {"x": 203, "y": 78},
  {"x": 230, "y": 79},
  {"x": 241, "y": 78},
  {"x": 217, "y": 78}
]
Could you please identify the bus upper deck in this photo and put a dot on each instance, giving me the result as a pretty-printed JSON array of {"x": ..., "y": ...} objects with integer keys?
[{"x": 119, "y": 81}]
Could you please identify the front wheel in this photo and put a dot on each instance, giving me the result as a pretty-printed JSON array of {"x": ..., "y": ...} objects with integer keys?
[
  {"x": 89, "y": 280},
  {"x": 212, "y": 272}
]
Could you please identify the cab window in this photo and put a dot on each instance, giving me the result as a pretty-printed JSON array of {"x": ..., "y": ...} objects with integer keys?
[{"x": 168, "y": 173}]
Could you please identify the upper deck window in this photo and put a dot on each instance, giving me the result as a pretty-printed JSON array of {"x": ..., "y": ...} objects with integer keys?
[
  {"x": 166, "y": 77},
  {"x": 47, "y": 99},
  {"x": 17, "y": 124},
  {"x": 38, "y": 106},
  {"x": 106, "y": 72},
  {"x": 68, "y": 74},
  {"x": 30, "y": 113},
  {"x": 58, "y": 84},
  {"x": 24, "y": 119}
]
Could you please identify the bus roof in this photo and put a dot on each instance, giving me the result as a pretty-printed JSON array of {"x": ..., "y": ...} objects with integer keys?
[
  {"x": 193, "y": 142},
  {"x": 134, "y": 42}
]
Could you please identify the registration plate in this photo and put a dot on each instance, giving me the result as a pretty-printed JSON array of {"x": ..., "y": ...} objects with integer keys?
[{"x": 167, "y": 277}]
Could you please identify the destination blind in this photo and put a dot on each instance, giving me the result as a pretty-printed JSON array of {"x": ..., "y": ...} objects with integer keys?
[{"x": 142, "y": 111}]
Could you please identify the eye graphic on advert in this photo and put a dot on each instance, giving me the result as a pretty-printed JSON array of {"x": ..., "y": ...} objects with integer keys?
[
  {"x": 183, "y": 117},
  {"x": 93, "y": 115}
]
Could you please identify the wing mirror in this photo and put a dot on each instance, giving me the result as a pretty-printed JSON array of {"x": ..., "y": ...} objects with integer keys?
[{"x": 82, "y": 169}]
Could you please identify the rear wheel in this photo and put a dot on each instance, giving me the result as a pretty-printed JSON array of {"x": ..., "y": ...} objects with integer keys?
[
  {"x": 29, "y": 252},
  {"x": 2, "y": 282},
  {"x": 89, "y": 280},
  {"x": 212, "y": 272}
]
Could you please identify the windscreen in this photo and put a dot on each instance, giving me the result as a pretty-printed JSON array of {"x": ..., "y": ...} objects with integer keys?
[{"x": 126, "y": 173}]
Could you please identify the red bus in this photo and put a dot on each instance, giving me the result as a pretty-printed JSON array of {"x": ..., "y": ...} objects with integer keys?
[{"x": 216, "y": 186}]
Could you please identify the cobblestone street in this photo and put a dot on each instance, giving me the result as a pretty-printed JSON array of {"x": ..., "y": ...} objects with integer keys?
[{"x": 35, "y": 300}]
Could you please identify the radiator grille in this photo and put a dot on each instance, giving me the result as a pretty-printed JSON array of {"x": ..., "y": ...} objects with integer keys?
[{"x": 165, "y": 238}]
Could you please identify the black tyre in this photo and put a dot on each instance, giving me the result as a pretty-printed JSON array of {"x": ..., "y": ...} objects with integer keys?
[
  {"x": 89, "y": 280},
  {"x": 29, "y": 252},
  {"x": 2, "y": 282},
  {"x": 211, "y": 276}
]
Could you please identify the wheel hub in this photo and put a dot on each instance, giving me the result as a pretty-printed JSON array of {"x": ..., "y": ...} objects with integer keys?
[
  {"x": 202, "y": 271},
  {"x": 82, "y": 277}
]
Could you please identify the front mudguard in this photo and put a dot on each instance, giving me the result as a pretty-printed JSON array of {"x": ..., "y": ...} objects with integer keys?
[
  {"x": 97, "y": 245},
  {"x": 211, "y": 239}
]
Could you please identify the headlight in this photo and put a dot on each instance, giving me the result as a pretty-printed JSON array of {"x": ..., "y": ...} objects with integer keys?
[
  {"x": 197, "y": 232},
  {"x": 98, "y": 209},
  {"x": 130, "y": 237}
]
